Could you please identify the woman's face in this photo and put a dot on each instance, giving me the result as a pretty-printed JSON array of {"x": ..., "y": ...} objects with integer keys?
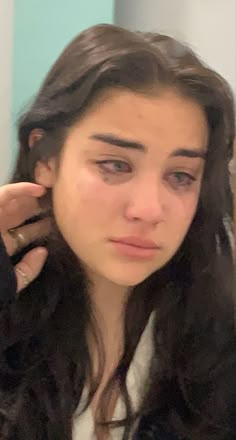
[{"x": 128, "y": 183}]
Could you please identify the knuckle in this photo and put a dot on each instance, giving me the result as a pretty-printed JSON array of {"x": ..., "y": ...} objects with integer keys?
[{"x": 26, "y": 269}]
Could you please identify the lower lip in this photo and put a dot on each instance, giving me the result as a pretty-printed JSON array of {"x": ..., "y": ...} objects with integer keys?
[{"x": 134, "y": 251}]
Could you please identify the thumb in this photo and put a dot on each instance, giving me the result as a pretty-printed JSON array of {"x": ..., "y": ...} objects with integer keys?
[{"x": 30, "y": 267}]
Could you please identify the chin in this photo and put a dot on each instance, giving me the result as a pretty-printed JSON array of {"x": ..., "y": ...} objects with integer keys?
[
  {"x": 131, "y": 275},
  {"x": 127, "y": 279}
]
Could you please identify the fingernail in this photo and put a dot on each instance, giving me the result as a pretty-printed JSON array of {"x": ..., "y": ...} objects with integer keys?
[{"x": 41, "y": 251}]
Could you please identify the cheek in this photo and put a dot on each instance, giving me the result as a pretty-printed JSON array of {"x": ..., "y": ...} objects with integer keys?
[
  {"x": 92, "y": 191},
  {"x": 183, "y": 210},
  {"x": 95, "y": 195},
  {"x": 86, "y": 197}
]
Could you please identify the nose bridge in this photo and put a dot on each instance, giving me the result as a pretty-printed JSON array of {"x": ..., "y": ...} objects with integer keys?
[{"x": 146, "y": 198}]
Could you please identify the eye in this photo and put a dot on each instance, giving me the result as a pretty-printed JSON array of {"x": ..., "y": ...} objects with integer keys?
[
  {"x": 180, "y": 179},
  {"x": 114, "y": 166}
]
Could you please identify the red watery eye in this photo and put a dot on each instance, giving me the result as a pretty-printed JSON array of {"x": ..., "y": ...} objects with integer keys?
[
  {"x": 115, "y": 166},
  {"x": 181, "y": 179}
]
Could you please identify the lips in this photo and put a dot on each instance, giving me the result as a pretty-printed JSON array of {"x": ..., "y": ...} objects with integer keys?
[
  {"x": 135, "y": 248},
  {"x": 136, "y": 242}
]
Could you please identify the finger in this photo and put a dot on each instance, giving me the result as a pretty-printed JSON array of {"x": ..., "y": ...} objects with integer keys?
[
  {"x": 30, "y": 233},
  {"x": 15, "y": 190},
  {"x": 18, "y": 204},
  {"x": 17, "y": 211},
  {"x": 31, "y": 265}
]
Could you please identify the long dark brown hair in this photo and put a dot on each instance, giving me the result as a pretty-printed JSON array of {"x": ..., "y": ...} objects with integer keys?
[{"x": 193, "y": 369}]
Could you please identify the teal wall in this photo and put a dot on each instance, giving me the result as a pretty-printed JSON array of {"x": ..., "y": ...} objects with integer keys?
[{"x": 42, "y": 28}]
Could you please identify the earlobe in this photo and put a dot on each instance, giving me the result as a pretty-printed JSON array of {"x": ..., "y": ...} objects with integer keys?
[{"x": 45, "y": 173}]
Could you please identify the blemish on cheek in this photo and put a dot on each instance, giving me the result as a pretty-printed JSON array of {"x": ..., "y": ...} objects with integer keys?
[
  {"x": 105, "y": 178},
  {"x": 108, "y": 179}
]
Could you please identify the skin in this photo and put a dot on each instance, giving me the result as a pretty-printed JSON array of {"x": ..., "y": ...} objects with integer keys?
[
  {"x": 19, "y": 202},
  {"x": 103, "y": 191},
  {"x": 149, "y": 194}
]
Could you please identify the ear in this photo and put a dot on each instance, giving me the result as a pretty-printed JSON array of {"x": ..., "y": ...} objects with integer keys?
[
  {"x": 35, "y": 136},
  {"x": 45, "y": 173}
]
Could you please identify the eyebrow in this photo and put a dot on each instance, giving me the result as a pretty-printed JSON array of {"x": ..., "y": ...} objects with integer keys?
[{"x": 127, "y": 143}]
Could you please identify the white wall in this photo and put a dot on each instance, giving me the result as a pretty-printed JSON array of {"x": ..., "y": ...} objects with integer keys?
[
  {"x": 6, "y": 29},
  {"x": 209, "y": 26}
]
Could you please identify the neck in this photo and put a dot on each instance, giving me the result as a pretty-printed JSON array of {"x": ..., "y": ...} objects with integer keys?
[{"x": 109, "y": 301}]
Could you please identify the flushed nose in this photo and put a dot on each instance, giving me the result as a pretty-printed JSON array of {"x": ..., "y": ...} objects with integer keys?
[{"x": 146, "y": 202}]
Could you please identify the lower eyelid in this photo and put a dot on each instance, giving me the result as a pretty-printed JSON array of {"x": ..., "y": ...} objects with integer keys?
[{"x": 186, "y": 182}]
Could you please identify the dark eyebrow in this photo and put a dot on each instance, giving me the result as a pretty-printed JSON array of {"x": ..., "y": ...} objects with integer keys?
[
  {"x": 118, "y": 142},
  {"x": 192, "y": 153},
  {"x": 126, "y": 143}
]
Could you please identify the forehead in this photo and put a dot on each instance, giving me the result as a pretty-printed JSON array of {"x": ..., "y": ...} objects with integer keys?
[{"x": 167, "y": 115}]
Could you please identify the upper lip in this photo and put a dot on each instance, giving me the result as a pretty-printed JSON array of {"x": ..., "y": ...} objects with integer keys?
[{"x": 136, "y": 241}]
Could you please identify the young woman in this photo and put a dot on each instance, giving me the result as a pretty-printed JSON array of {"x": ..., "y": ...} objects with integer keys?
[{"x": 128, "y": 331}]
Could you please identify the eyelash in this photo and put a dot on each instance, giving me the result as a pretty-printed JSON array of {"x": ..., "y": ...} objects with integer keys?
[
  {"x": 188, "y": 179},
  {"x": 104, "y": 167}
]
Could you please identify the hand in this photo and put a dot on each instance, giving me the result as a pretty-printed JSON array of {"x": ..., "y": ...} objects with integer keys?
[{"x": 19, "y": 202}]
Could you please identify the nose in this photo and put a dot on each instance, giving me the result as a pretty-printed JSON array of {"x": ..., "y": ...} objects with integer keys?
[{"x": 146, "y": 201}]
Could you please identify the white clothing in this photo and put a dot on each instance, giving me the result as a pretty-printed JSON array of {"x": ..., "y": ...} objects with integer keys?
[{"x": 137, "y": 378}]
